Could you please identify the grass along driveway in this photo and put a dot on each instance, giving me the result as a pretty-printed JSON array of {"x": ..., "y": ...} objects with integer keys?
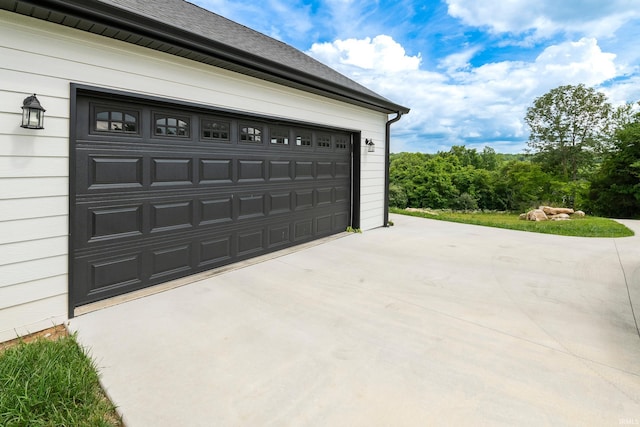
[
  {"x": 588, "y": 226},
  {"x": 49, "y": 380}
]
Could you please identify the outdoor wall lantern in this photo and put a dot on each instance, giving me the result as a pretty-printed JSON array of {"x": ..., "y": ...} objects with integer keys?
[
  {"x": 370, "y": 145},
  {"x": 32, "y": 113}
]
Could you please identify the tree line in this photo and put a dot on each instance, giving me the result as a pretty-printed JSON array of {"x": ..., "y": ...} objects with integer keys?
[{"x": 583, "y": 154}]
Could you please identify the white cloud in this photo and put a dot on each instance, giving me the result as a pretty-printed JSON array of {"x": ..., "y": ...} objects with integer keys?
[
  {"x": 381, "y": 54},
  {"x": 464, "y": 105},
  {"x": 457, "y": 61},
  {"x": 624, "y": 91},
  {"x": 582, "y": 62},
  {"x": 566, "y": 63},
  {"x": 454, "y": 101},
  {"x": 595, "y": 18}
]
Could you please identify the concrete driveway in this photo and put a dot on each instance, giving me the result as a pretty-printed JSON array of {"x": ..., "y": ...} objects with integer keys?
[{"x": 423, "y": 323}]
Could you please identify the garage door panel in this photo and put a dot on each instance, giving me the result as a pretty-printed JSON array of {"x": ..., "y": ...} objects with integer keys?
[
  {"x": 324, "y": 196},
  {"x": 216, "y": 210},
  {"x": 170, "y": 261},
  {"x": 250, "y": 242},
  {"x": 342, "y": 170},
  {"x": 99, "y": 172},
  {"x": 104, "y": 276},
  {"x": 172, "y": 172},
  {"x": 279, "y": 235},
  {"x": 324, "y": 224},
  {"x": 251, "y": 171},
  {"x": 280, "y": 202},
  {"x": 342, "y": 194},
  {"x": 251, "y": 206},
  {"x": 115, "y": 222},
  {"x": 216, "y": 171},
  {"x": 147, "y": 210},
  {"x": 120, "y": 172},
  {"x": 303, "y": 170},
  {"x": 280, "y": 170},
  {"x": 214, "y": 251},
  {"x": 303, "y": 229},
  {"x": 171, "y": 216},
  {"x": 303, "y": 199},
  {"x": 117, "y": 272},
  {"x": 324, "y": 169}
]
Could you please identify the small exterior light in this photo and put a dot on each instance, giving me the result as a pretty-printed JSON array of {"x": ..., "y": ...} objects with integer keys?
[
  {"x": 371, "y": 147},
  {"x": 32, "y": 113}
]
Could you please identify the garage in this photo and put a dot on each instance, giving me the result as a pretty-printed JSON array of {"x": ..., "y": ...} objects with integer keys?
[
  {"x": 174, "y": 142},
  {"x": 161, "y": 191}
]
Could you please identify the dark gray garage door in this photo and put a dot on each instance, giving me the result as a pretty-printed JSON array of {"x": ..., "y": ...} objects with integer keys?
[{"x": 160, "y": 192}]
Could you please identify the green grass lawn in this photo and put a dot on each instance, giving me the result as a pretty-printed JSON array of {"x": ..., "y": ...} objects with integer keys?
[
  {"x": 51, "y": 383},
  {"x": 580, "y": 227}
]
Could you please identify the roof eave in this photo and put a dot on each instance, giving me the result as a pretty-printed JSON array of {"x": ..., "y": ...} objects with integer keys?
[{"x": 128, "y": 23}]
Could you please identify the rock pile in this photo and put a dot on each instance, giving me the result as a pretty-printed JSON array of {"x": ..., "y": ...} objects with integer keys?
[{"x": 544, "y": 213}]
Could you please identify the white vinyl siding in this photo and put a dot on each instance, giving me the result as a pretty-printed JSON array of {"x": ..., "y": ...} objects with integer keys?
[
  {"x": 372, "y": 183},
  {"x": 44, "y": 58}
]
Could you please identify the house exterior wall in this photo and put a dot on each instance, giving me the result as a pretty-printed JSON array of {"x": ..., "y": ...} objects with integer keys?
[{"x": 44, "y": 58}]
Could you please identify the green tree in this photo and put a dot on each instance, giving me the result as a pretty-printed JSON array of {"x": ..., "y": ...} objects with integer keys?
[
  {"x": 568, "y": 125},
  {"x": 397, "y": 196},
  {"x": 466, "y": 202},
  {"x": 615, "y": 189},
  {"x": 488, "y": 159},
  {"x": 522, "y": 185},
  {"x": 465, "y": 156},
  {"x": 437, "y": 179},
  {"x": 407, "y": 170},
  {"x": 461, "y": 178},
  {"x": 483, "y": 189},
  {"x": 621, "y": 116}
]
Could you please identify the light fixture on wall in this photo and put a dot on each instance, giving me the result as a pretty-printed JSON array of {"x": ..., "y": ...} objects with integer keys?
[
  {"x": 371, "y": 147},
  {"x": 32, "y": 113}
]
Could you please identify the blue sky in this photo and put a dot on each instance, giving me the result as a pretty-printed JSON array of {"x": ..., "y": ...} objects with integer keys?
[{"x": 468, "y": 69}]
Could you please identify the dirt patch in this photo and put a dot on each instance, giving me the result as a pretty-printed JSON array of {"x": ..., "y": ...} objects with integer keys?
[{"x": 52, "y": 334}]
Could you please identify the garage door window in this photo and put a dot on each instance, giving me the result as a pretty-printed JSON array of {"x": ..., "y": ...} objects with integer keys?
[
  {"x": 342, "y": 142},
  {"x": 115, "y": 121},
  {"x": 303, "y": 139},
  {"x": 250, "y": 134},
  {"x": 171, "y": 126},
  {"x": 279, "y": 135},
  {"x": 215, "y": 130},
  {"x": 324, "y": 141}
]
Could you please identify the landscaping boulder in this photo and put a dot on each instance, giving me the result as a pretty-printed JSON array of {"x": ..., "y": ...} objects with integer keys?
[
  {"x": 554, "y": 214},
  {"x": 536, "y": 215},
  {"x": 555, "y": 211}
]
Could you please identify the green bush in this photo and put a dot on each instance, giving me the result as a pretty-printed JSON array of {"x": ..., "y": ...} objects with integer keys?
[
  {"x": 466, "y": 202},
  {"x": 397, "y": 196}
]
